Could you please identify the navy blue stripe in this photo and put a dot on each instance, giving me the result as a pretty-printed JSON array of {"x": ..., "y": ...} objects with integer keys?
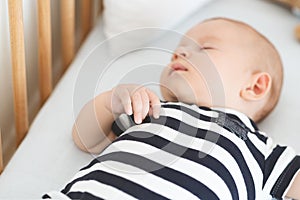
[
  {"x": 93, "y": 162},
  {"x": 120, "y": 183},
  {"x": 205, "y": 108},
  {"x": 258, "y": 156},
  {"x": 117, "y": 126},
  {"x": 83, "y": 195},
  {"x": 184, "y": 152},
  {"x": 46, "y": 196},
  {"x": 285, "y": 178},
  {"x": 254, "y": 125},
  {"x": 189, "y": 111},
  {"x": 171, "y": 175},
  {"x": 271, "y": 161},
  {"x": 232, "y": 116}
]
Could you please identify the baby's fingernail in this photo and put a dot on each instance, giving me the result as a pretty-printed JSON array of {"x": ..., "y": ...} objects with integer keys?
[
  {"x": 129, "y": 112},
  {"x": 138, "y": 119},
  {"x": 156, "y": 115}
]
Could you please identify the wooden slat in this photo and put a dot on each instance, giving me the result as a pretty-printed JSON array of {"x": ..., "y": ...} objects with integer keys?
[
  {"x": 1, "y": 154},
  {"x": 291, "y": 3},
  {"x": 45, "y": 55},
  {"x": 18, "y": 68},
  {"x": 100, "y": 7},
  {"x": 86, "y": 18},
  {"x": 68, "y": 31},
  {"x": 297, "y": 32}
]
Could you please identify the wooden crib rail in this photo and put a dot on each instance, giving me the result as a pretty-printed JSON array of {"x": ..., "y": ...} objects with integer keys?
[
  {"x": 1, "y": 153},
  {"x": 86, "y": 18},
  {"x": 18, "y": 67},
  {"x": 67, "y": 8},
  {"x": 45, "y": 48}
]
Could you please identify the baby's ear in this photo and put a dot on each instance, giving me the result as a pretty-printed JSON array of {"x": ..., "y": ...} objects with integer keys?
[{"x": 258, "y": 87}]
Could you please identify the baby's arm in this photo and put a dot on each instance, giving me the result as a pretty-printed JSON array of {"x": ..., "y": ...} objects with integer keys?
[
  {"x": 92, "y": 128},
  {"x": 294, "y": 191}
]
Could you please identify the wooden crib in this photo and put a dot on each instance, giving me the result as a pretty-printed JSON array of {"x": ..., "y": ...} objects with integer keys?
[{"x": 69, "y": 10}]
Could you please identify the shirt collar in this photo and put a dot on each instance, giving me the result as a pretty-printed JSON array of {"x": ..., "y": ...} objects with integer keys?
[{"x": 239, "y": 115}]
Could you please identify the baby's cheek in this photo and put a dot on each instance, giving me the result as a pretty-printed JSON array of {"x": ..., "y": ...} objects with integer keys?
[
  {"x": 163, "y": 85},
  {"x": 163, "y": 76}
]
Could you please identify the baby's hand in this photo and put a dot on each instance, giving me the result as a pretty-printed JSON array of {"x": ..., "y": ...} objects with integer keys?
[{"x": 136, "y": 100}]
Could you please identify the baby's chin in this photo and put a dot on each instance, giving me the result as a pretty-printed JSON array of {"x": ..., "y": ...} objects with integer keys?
[{"x": 167, "y": 94}]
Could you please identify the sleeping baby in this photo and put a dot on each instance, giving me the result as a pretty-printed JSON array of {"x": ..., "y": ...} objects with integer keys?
[{"x": 201, "y": 142}]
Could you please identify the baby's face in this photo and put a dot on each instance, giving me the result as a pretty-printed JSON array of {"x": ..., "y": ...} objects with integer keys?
[{"x": 210, "y": 65}]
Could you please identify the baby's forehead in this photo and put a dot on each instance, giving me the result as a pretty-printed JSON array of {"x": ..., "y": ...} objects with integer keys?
[
  {"x": 222, "y": 30},
  {"x": 229, "y": 23}
]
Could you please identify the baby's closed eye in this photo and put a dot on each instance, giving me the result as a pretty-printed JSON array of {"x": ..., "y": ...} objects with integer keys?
[{"x": 207, "y": 46}]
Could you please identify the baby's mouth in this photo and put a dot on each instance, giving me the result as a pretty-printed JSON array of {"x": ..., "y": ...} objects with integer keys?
[{"x": 178, "y": 67}]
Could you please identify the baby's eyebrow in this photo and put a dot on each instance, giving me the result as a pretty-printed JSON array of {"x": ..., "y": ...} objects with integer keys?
[
  {"x": 199, "y": 41},
  {"x": 209, "y": 39}
]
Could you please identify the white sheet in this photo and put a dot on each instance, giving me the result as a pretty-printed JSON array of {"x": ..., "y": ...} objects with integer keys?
[{"x": 47, "y": 158}]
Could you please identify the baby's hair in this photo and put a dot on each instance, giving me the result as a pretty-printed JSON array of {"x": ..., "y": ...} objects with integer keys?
[{"x": 271, "y": 62}]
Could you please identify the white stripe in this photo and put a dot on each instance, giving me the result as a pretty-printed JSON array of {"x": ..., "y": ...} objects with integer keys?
[
  {"x": 263, "y": 133},
  {"x": 58, "y": 195},
  {"x": 285, "y": 158},
  {"x": 185, "y": 166},
  {"x": 141, "y": 177},
  {"x": 269, "y": 147},
  {"x": 100, "y": 190},
  {"x": 184, "y": 117},
  {"x": 208, "y": 113},
  {"x": 205, "y": 146}
]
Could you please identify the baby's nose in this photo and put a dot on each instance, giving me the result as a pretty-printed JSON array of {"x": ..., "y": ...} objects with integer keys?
[{"x": 180, "y": 52}]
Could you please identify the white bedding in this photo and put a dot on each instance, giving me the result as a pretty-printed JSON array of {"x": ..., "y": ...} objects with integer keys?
[{"x": 47, "y": 158}]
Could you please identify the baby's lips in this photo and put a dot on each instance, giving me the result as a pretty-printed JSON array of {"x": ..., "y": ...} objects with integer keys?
[{"x": 178, "y": 67}]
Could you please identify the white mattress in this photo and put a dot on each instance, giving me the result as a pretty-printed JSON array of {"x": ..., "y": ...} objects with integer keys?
[{"x": 47, "y": 158}]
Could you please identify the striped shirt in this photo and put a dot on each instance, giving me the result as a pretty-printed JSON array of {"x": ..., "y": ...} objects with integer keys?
[{"x": 190, "y": 152}]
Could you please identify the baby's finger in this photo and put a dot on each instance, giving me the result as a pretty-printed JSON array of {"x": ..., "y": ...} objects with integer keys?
[
  {"x": 124, "y": 96},
  {"x": 154, "y": 103},
  {"x": 146, "y": 105},
  {"x": 156, "y": 110},
  {"x": 150, "y": 112},
  {"x": 137, "y": 107}
]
